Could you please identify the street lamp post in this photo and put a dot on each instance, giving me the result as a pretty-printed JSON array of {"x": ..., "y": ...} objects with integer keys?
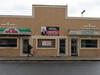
[{"x": 82, "y": 13}]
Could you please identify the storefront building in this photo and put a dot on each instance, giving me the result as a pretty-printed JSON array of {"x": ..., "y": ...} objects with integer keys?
[{"x": 50, "y": 32}]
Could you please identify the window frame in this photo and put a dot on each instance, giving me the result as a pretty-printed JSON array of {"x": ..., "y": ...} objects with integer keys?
[
  {"x": 47, "y": 47},
  {"x": 90, "y": 39},
  {"x": 9, "y": 38}
]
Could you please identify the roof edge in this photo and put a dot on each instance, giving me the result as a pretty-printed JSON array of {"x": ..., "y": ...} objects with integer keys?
[
  {"x": 17, "y": 16},
  {"x": 91, "y": 18},
  {"x": 44, "y": 5}
]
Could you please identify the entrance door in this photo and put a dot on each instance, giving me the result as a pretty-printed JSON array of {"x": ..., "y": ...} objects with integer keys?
[
  {"x": 74, "y": 47},
  {"x": 25, "y": 46},
  {"x": 62, "y": 46}
]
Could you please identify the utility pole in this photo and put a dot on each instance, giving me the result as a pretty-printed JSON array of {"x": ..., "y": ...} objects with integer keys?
[{"x": 82, "y": 13}]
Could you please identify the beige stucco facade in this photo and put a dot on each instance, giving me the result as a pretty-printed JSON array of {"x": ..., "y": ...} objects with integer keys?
[{"x": 58, "y": 45}]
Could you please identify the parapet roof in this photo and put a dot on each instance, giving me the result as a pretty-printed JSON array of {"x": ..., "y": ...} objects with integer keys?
[
  {"x": 43, "y": 5},
  {"x": 17, "y": 16}
]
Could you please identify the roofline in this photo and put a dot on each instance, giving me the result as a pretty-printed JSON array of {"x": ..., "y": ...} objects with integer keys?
[
  {"x": 16, "y": 16},
  {"x": 89, "y": 18},
  {"x": 44, "y": 5}
]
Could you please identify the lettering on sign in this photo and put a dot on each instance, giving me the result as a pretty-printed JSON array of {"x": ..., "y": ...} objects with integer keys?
[
  {"x": 46, "y": 43},
  {"x": 11, "y": 31},
  {"x": 49, "y": 31},
  {"x": 89, "y": 26},
  {"x": 8, "y": 24}
]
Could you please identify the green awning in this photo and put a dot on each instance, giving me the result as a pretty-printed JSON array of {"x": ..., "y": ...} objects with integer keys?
[
  {"x": 15, "y": 31},
  {"x": 84, "y": 32}
]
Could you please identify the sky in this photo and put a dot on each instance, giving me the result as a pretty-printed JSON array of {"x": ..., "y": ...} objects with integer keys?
[{"x": 75, "y": 7}]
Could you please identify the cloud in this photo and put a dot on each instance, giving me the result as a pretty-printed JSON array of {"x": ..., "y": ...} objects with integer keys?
[
  {"x": 16, "y": 7},
  {"x": 75, "y": 7}
]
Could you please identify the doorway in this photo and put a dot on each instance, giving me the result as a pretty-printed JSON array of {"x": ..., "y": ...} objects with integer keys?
[
  {"x": 74, "y": 46},
  {"x": 62, "y": 46},
  {"x": 25, "y": 43}
]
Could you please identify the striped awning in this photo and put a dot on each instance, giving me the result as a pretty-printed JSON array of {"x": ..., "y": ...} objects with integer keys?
[{"x": 15, "y": 31}]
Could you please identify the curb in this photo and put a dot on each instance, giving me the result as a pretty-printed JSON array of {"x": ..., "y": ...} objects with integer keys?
[{"x": 49, "y": 58}]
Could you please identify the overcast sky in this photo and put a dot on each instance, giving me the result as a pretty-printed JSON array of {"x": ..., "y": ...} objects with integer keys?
[{"x": 75, "y": 7}]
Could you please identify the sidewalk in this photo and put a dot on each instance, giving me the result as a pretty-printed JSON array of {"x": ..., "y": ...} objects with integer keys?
[{"x": 51, "y": 58}]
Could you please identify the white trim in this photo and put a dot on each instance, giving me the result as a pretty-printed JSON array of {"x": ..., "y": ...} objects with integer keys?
[
  {"x": 52, "y": 37},
  {"x": 48, "y": 37},
  {"x": 77, "y": 45},
  {"x": 10, "y": 38},
  {"x": 90, "y": 38},
  {"x": 46, "y": 48},
  {"x": 66, "y": 46}
]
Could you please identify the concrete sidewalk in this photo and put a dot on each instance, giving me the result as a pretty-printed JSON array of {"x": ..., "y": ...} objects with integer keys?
[{"x": 51, "y": 58}]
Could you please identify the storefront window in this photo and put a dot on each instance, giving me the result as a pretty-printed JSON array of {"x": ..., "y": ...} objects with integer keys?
[
  {"x": 6, "y": 42},
  {"x": 89, "y": 43},
  {"x": 46, "y": 43}
]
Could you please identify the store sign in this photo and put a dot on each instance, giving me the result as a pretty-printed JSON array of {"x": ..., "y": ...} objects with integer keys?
[
  {"x": 15, "y": 31},
  {"x": 11, "y": 31},
  {"x": 50, "y": 31},
  {"x": 85, "y": 32}
]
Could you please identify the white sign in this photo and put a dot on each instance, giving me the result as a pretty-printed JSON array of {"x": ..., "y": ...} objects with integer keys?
[
  {"x": 8, "y": 24},
  {"x": 89, "y": 26},
  {"x": 46, "y": 43}
]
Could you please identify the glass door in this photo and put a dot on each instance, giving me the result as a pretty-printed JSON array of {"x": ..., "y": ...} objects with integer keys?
[
  {"x": 74, "y": 47},
  {"x": 62, "y": 46},
  {"x": 25, "y": 43}
]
